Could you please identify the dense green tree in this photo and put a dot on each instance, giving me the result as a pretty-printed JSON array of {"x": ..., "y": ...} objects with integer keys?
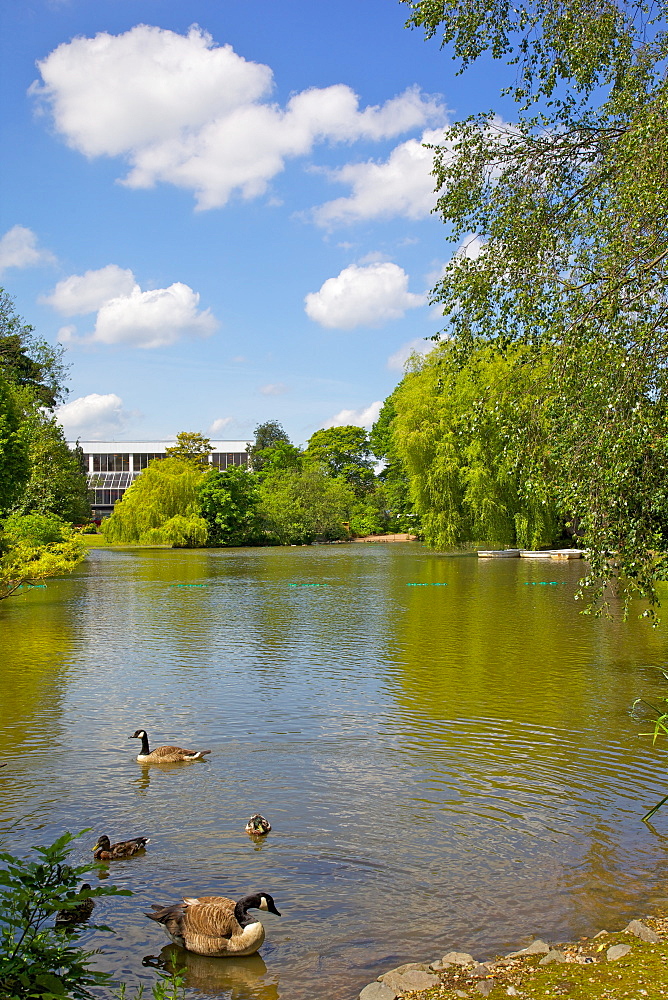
[
  {"x": 191, "y": 446},
  {"x": 300, "y": 506},
  {"x": 28, "y": 361},
  {"x": 472, "y": 439},
  {"x": 569, "y": 207},
  {"x": 279, "y": 457},
  {"x": 271, "y": 441},
  {"x": 228, "y": 502},
  {"x": 34, "y": 547},
  {"x": 160, "y": 508},
  {"x": 14, "y": 461},
  {"x": 345, "y": 452},
  {"x": 394, "y": 483},
  {"x": 57, "y": 483}
]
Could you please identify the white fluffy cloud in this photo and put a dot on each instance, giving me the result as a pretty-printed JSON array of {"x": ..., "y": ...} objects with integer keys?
[
  {"x": 125, "y": 314},
  {"x": 402, "y": 185},
  {"x": 220, "y": 424},
  {"x": 367, "y": 295},
  {"x": 183, "y": 110},
  {"x": 94, "y": 416},
  {"x": 364, "y": 417},
  {"x": 84, "y": 293},
  {"x": 18, "y": 248},
  {"x": 397, "y": 360}
]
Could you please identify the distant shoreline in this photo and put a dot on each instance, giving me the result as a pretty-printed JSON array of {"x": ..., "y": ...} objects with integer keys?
[{"x": 402, "y": 537}]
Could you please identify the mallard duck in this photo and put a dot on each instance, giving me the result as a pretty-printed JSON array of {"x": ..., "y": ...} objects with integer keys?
[
  {"x": 164, "y": 755},
  {"x": 105, "y": 851},
  {"x": 257, "y": 826},
  {"x": 215, "y": 925},
  {"x": 76, "y": 914}
]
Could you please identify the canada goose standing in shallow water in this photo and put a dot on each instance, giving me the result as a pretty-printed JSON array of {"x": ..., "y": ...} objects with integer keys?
[
  {"x": 105, "y": 851},
  {"x": 215, "y": 925},
  {"x": 257, "y": 826},
  {"x": 164, "y": 755},
  {"x": 78, "y": 913}
]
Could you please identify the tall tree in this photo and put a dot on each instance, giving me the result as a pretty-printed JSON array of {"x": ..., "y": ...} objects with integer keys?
[
  {"x": 29, "y": 361},
  {"x": 269, "y": 437},
  {"x": 568, "y": 204},
  {"x": 401, "y": 514},
  {"x": 57, "y": 483},
  {"x": 299, "y": 506},
  {"x": 228, "y": 502},
  {"x": 14, "y": 461},
  {"x": 472, "y": 440},
  {"x": 160, "y": 508},
  {"x": 191, "y": 446},
  {"x": 344, "y": 451}
]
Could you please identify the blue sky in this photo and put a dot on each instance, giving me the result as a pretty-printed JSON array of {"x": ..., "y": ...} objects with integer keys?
[{"x": 223, "y": 209}]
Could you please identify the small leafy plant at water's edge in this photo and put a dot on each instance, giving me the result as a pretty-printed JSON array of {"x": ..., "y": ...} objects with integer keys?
[
  {"x": 38, "y": 959},
  {"x": 660, "y": 729}
]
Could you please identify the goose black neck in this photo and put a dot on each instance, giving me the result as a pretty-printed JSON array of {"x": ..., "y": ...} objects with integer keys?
[
  {"x": 144, "y": 744},
  {"x": 241, "y": 908}
]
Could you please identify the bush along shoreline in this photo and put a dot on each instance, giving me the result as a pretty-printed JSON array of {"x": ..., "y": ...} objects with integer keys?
[{"x": 610, "y": 965}]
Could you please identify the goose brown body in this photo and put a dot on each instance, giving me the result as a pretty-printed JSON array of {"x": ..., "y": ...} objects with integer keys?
[
  {"x": 215, "y": 925},
  {"x": 104, "y": 850},
  {"x": 164, "y": 755}
]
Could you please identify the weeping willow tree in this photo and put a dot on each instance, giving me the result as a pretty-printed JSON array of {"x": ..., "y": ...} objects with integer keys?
[
  {"x": 471, "y": 435},
  {"x": 160, "y": 508}
]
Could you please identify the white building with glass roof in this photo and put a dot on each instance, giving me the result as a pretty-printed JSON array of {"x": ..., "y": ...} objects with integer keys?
[{"x": 112, "y": 466}]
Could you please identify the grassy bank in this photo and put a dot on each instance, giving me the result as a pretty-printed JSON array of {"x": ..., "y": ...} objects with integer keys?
[{"x": 587, "y": 973}]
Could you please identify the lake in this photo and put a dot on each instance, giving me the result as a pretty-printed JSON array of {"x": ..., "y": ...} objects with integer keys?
[{"x": 443, "y": 745}]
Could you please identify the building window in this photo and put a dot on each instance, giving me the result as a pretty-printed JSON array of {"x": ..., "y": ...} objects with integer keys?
[
  {"x": 223, "y": 461},
  {"x": 111, "y": 463},
  {"x": 141, "y": 461}
]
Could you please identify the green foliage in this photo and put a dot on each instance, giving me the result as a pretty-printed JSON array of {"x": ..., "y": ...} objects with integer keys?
[
  {"x": 160, "y": 507},
  {"x": 191, "y": 446},
  {"x": 34, "y": 529},
  {"x": 569, "y": 207},
  {"x": 14, "y": 462},
  {"x": 268, "y": 436},
  {"x": 27, "y": 558},
  {"x": 393, "y": 485},
  {"x": 471, "y": 437},
  {"x": 345, "y": 452},
  {"x": 300, "y": 506},
  {"x": 228, "y": 502},
  {"x": 57, "y": 483},
  {"x": 278, "y": 457},
  {"x": 27, "y": 361},
  {"x": 371, "y": 515},
  {"x": 36, "y": 960}
]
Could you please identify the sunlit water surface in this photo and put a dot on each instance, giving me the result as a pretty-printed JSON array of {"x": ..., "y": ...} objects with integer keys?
[{"x": 449, "y": 765}]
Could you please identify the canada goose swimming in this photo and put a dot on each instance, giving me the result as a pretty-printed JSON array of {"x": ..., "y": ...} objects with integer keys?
[
  {"x": 215, "y": 925},
  {"x": 164, "y": 755},
  {"x": 257, "y": 826},
  {"x": 77, "y": 914},
  {"x": 105, "y": 851}
]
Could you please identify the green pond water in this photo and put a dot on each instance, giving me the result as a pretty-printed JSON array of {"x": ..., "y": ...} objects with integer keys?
[{"x": 446, "y": 766}]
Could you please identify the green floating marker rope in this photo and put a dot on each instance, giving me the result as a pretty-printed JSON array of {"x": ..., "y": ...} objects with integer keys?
[
  {"x": 188, "y": 584},
  {"x": 308, "y": 585},
  {"x": 543, "y": 583},
  {"x": 426, "y": 584}
]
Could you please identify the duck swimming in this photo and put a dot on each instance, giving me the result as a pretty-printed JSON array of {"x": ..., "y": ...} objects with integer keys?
[
  {"x": 104, "y": 850},
  {"x": 257, "y": 826},
  {"x": 216, "y": 925},
  {"x": 77, "y": 914},
  {"x": 164, "y": 755}
]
